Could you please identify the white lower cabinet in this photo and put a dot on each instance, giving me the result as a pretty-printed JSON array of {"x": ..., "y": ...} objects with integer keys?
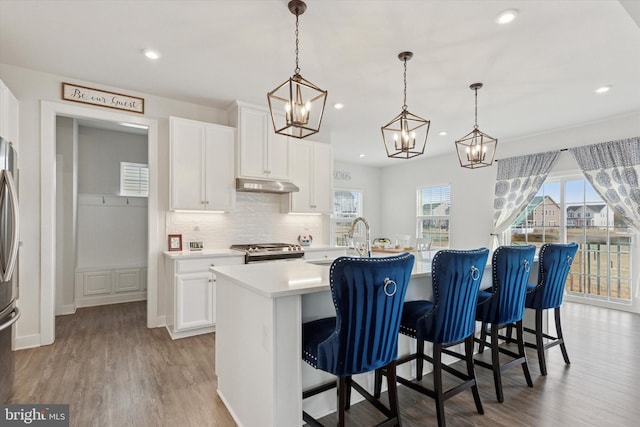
[{"x": 191, "y": 298}]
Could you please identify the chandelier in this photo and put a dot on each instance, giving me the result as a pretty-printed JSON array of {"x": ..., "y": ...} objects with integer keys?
[
  {"x": 297, "y": 105},
  {"x": 406, "y": 135},
  {"x": 476, "y": 149}
]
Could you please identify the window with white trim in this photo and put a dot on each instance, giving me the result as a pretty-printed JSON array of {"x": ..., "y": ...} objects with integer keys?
[
  {"x": 601, "y": 269},
  {"x": 432, "y": 214},
  {"x": 134, "y": 179},
  {"x": 347, "y": 206}
]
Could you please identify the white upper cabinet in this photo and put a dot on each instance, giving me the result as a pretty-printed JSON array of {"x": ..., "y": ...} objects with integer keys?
[
  {"x": 261, "y": 153},
  {"x": 8, "y": 115},
  {"x": 202, "y": 159},
  {"x": 312, "y": 172}
]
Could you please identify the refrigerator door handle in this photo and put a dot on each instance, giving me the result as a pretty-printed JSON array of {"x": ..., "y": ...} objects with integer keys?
[
  {"x": 16, "y": 316},
  {"x": 6, "y": 180}
]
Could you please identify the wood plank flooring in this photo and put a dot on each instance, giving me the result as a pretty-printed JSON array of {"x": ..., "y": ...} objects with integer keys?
[{"x": 113, "y": 371}]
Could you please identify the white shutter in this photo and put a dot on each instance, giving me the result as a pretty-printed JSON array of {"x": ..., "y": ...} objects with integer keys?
[{"x": 134, "y": 179}]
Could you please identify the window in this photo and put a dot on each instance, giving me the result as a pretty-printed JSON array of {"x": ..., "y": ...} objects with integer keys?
[
  {"x": 347, "y": 206},
  {"x": 134, "y": 179},
  {"x": 432, "y": 215},
  {"x": 601, "y": 269}
]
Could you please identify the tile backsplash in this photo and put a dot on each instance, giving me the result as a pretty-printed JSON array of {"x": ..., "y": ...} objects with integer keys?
[{"x": 257, "y": 219}]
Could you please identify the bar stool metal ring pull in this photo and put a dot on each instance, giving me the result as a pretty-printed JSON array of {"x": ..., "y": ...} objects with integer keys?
[
  {"x": 388, "y": 282},
  {"x": 527, "y": 266},
  {"x": 475, "y": 273}
]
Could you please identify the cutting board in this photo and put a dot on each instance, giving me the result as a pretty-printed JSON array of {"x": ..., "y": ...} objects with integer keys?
[{"x": 390, "y": 250}]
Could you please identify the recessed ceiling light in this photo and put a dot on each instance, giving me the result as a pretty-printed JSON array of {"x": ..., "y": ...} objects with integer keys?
[
  {"x": 151, "y": 54},
  {"x": 362, "y": 155},
  {"x": 603, "y": 89},
  {"x": 443, "y": 133},
  {"x": 506, "y": 16},
  {"x": 338, "y": 106}
]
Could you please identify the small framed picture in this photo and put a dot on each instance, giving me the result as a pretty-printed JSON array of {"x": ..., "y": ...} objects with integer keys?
[
  {"x": 175, "y": 242},
  {"x": 196, "y": 245}
]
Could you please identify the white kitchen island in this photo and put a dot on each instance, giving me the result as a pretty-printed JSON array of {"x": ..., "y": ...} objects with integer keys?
[{"x": 260, "y": 311}]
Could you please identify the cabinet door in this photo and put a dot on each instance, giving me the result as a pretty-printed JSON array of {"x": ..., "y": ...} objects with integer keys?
[
  {"x": 278, "y": 157},
  {"x": 187, "y": 156},
  {"x": 322, "y": 179},
  {"x": 253, "y": 136},
  {"x": 220, "y": 179},
  {"x": 194, "y": 301},
  {"x": 301, "y": 155}
]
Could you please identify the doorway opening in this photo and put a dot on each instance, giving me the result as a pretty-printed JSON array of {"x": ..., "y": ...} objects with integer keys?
[
  {"x": 102, "y": 185},
  {"x": 49, "y": 245}
]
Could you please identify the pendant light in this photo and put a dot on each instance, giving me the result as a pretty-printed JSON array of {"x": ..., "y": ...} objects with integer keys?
[
  {"x": 406, "y": 135},
  {"x": 476, "y": 149},
  {"x": 297, "y": 105}
]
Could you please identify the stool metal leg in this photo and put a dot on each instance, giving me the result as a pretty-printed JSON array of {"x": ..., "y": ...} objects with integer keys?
[
  {"x": 495, "y": 362},
  {"x": 540, "y": 343},
  {"x": 437, "y": 383},
  {"x": 563, "y": 348},
  {"x": 419, "y": 358},
  {"x": 522, "y": 353},
  {"x": 342, "y": 399},
  {"x": 468, "y": 346}
]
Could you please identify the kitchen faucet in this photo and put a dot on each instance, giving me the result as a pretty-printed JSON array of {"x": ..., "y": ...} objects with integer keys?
[{"x": 367, "y": 250}]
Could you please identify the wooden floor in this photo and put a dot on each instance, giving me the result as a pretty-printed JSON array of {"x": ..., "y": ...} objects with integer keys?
[{"x": 113, "y": 371}]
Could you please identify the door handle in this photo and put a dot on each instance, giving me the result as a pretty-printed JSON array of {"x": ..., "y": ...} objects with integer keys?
[
  {"x": 16, "y": 316},
  {"x": 6, "y": 182}
]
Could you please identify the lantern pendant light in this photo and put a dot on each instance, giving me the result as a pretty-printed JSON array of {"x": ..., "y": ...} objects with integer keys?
[
  {"x": 476, "y": 149},
  {"x": 406, "y": 135},
  {"x": 297, "y": 105}
]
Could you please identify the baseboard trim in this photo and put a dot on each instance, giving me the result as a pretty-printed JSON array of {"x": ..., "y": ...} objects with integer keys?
[
  {"x": 110, "y": 299},
  {"x": 27, "y": 341},
  {"x": 66, "y": 310}
]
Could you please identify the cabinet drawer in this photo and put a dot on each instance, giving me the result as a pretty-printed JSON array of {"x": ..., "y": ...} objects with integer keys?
[{"x": 203, "y": 264}]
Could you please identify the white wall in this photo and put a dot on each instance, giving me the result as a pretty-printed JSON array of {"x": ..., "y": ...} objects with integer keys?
[
  {"x": 30, "y": 87},
  {"x": 100, "y": 152},
  {"x": 472, "y": 190}
]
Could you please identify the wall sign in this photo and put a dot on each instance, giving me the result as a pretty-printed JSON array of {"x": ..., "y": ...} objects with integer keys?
[{"x": 102, "y": 98}]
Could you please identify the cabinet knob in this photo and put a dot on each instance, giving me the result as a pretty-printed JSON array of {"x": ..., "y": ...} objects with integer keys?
[
  {"x": 211, "y": 280},
  {"x": 213, "y": 265}
]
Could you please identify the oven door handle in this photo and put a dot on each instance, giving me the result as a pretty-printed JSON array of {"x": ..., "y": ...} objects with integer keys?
[{"x": 16, "y": 316}]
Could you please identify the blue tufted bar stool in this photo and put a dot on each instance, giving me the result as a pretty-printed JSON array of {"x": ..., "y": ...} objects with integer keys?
[
  {"x": 503, "y": 305},
  {"x": 447, "y": 320},
  {"x": 368, "y": 295},
  {"x": 554, "y": 265}
]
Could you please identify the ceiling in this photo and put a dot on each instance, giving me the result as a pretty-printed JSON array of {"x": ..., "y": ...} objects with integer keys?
[{"x": 539, "y": 71}]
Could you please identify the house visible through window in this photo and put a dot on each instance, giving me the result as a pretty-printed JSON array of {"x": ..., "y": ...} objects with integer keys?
[
  {"x": 134, "y": 179},
  {"x": 432, "y": 217},
  {"x": 601, "y": 269},
  {"x": 347, "y": 205}
]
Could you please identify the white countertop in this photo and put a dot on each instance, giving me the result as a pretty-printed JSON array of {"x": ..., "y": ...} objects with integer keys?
[{"x": 285, "y": 278}]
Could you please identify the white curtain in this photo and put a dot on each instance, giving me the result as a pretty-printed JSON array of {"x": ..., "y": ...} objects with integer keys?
[
  {"x": 613, "y": 169},
  {"x": 518, "y": 181}
]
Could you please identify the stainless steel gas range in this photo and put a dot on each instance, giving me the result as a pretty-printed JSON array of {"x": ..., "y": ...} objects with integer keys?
[{"x": 255, "y": 252}]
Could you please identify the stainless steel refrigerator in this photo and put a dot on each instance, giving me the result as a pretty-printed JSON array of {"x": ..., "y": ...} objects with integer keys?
[{"x": 9, "y": 243}]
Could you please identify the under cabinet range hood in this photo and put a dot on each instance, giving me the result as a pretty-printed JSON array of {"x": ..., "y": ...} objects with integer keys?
[{"x": 262, "y": 186}]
